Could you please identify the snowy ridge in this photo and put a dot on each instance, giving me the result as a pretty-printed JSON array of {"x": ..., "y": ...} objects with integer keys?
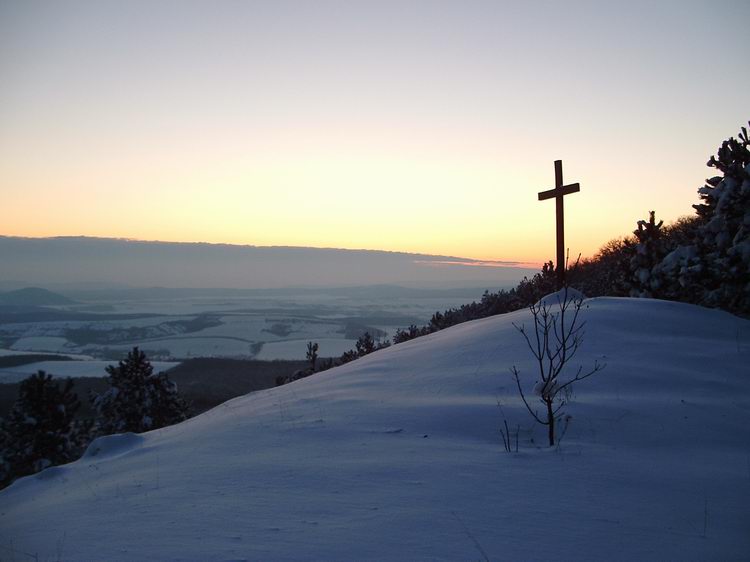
[{"x": 397, "y": 456}]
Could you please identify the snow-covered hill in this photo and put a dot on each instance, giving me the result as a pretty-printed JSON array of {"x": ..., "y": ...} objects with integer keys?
[{"x": 398, "y": 456}]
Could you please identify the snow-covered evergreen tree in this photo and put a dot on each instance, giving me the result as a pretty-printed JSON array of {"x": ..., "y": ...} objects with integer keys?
[
  {"x": 705, "y": 260},
  {"x": 138, "y": 400},
  {"x": 725, "y": 234},
  {"x": 648, "y": 252},
  {"x": 365, "y": 344},
  {"x": 40, "y": 430}
]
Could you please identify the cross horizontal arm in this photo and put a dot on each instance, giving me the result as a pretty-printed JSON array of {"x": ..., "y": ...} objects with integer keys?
[{"x": 564, "y": 190}]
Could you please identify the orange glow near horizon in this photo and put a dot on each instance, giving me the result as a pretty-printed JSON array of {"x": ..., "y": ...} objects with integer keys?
[
  {"x": 434, "y": 200},
  {"x": 360, "y": 125}
]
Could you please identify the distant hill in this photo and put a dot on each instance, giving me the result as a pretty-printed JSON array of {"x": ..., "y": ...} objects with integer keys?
[
  {"x": 33, "y": 296},
  {"x": 73, "y": 261}
]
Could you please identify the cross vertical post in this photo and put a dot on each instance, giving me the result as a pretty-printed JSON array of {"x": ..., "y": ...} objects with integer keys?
[
  {"x": 558, "y": 193},
  {"x": 560, "y": 222}
]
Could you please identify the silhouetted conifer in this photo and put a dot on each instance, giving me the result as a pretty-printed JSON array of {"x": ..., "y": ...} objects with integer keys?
[
  {"x": 312, "y": 354},
  {"x": 648, "y": 252},
  {"x": 365, "y": 344},
  {"x": 706, "y": 259},
  {"x": 138, "y": 400},
  {"x": 40, "y": 430}
]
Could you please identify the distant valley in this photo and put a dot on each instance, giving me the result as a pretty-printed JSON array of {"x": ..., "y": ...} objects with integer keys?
[
  {"x": 178, "y": 324},
  {"x": 97, "y": 298}
]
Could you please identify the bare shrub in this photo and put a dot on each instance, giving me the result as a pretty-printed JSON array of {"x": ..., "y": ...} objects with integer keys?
[{"x": 554, "y": 342}]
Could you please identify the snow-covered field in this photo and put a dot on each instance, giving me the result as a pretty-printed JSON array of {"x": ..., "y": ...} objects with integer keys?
[
  {"x": 50, "y": 344},
  {"x": 397, "y": 456},
  {"x": 229, "y": 326},
  {"x": 259, "y": 327},
  {"x": 68, "y": 369},
  {"x": 191, "y": 346}
]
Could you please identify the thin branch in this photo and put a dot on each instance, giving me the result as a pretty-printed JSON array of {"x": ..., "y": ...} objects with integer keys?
[
  {"x": 563, "y": 402},
  {"x": 523, "y": 332},
  {"x": 597, "y": 367},
  {"x": 523, "y": 397}
]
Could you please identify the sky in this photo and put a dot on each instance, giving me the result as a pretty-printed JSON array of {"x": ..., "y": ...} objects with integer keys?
[{"x": 423, "y": 127}]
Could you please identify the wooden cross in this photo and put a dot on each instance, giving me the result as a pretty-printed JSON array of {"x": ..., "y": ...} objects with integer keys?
[{"x": 558, "y": 193}]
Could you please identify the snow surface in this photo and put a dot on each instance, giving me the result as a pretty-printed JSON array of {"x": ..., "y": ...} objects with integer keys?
[
  {"x": 554, "y": 300},
  {"x": 397, "y": 456},
  {"x": 41, "y": 343}
]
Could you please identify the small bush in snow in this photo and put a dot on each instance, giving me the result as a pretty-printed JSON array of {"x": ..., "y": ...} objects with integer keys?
[{"x": 557, "y": 336}]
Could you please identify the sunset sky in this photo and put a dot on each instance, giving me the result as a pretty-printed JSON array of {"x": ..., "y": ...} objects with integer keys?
[{"x": 411, "y": 126}]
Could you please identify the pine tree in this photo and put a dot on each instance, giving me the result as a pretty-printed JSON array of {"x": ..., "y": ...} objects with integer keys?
[
  {"x": 41, "y": 430},
  {"x": 410, "y": 333},
  {"x": 365, "y": 344},
  {"x": 138, "y": 400},
  {"x": 725, "y": 232},
  {"x": 312, "y": 354},
  {"x": 648, "y": 252},
  {"x": 707, "y": 259}
]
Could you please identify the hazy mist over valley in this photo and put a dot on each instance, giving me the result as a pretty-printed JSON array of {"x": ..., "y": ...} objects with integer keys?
[
  {"x": 83, "y": 262},
  {"x": 96, "y": 298}
]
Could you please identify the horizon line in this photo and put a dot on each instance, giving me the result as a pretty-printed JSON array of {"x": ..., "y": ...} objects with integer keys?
[{"x": 446, "y": 260}]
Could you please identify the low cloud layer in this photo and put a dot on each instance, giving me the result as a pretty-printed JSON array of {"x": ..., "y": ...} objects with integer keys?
[{"x": 106, "y": 261}]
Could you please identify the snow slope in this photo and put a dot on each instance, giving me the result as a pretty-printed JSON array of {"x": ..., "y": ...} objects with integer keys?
[{"x": 397, "y": 456}]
